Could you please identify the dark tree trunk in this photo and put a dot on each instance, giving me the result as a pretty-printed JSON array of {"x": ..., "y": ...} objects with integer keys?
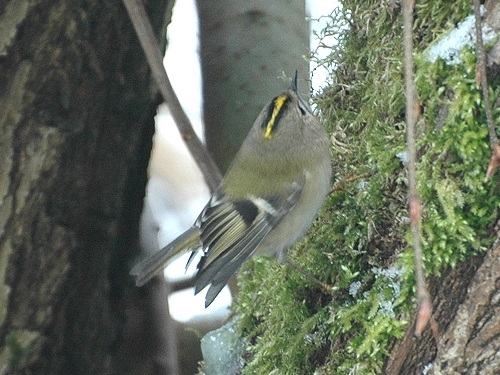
[{"x": 76, "y": 119}]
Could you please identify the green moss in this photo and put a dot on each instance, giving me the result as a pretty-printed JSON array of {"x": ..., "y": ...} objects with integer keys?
[
  {"x": 361, "y": 243},
  {"x": 460, "y": 205}
]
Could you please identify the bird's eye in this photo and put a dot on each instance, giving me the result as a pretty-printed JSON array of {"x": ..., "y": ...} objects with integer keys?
[
  {"x": 302, "y": 107},
  {"x": 302, "y": 110}
]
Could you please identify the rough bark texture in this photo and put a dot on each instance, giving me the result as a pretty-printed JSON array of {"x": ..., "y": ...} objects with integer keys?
[
  {"x": 76, "y": 120},
  {"x": 467, "y": 312}
]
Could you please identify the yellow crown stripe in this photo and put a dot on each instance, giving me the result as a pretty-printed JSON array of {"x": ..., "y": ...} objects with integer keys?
[{"x": 279, "y": 102}]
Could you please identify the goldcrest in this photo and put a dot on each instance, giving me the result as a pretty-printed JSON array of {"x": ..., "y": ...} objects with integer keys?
[{"x": 267, "y": 200}]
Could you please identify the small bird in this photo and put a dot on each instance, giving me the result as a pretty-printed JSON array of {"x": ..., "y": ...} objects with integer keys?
[{"x": 267, "y": 200}]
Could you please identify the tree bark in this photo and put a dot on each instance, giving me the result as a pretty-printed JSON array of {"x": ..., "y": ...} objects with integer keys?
[
  {"x": 76, "y": 117},
  {"x": 467, "y": 312}
]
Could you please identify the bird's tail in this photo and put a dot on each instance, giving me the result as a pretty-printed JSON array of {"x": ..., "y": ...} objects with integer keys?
[{"x": 153, "y": 264}]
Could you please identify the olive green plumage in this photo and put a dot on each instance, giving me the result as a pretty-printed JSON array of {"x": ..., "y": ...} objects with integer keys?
[{"x": 267, "y": 200}]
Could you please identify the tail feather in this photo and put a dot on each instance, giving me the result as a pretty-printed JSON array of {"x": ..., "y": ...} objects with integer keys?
[{"x": 153, "y": 264}]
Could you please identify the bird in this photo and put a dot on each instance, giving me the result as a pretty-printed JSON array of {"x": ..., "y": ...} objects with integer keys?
[{"x": 267, "y": 200}]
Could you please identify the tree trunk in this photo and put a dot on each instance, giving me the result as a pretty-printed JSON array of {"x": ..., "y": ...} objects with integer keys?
[
  {"x": 467, "y": 312},
  {"x": 76, "y": 117}
]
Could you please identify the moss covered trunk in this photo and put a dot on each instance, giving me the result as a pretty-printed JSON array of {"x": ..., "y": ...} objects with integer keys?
[{"x": 361, "y": 242}]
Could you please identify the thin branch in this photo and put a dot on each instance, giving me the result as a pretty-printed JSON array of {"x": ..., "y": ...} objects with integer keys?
[
  {"x": 326, "y": 287},
  {"x": 342, "y": 184},
  {"x": 482, "y": 78},
  {"x": 481, "y": 61},
  {"x": 154, "y": 56},
  {"x": 412, "y": 113}
]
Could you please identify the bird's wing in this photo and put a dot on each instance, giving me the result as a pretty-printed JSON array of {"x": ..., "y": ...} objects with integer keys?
[{"x": 232, "y": 229}]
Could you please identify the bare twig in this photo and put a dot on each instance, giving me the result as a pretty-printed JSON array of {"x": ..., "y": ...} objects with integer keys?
[
  {"x": 153, "y": 54},
  {"x": 482, "y": 78},
  {"x": 342, "y": 184},
  {"x": 412, "y": 112},
  {"x": 326, "y": 287}
]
